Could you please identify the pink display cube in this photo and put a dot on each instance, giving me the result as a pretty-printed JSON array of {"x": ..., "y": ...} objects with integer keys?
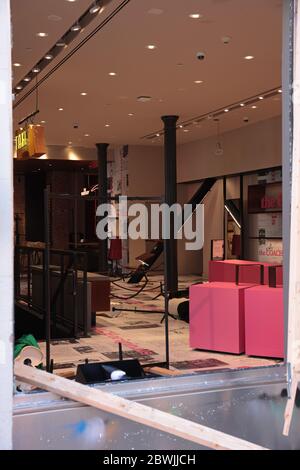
[
  {"x": 225, "y": 271},
  {"x": 264, "y": 322},
  {"x": 217, "y": 317}
]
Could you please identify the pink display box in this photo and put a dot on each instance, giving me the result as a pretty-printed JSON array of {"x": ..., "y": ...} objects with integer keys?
[
  {"x": 264, "y": 322},
  {"x": 217, "y": 317},
  {"x": 224, "y": 271}
]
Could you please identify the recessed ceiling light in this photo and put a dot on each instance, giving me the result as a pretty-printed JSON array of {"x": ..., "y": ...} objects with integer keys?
[
  {"x": 226, "y": 110},
  {"x": 198, "y": 82},
  {"x": 49, "y": 56},
  {"x": 155, "y": 11},
  {"x": 107, "y": 125},
  {"x": 86, "y": 135},
  {"x": 60, "y": 44},
  {"x": 27, "y": 79},
  {"x": 17, "y": 64},
  {"x": 254, "y": 107},
  {"x": 186, "y": 130},
  {"x": 181, "y": 126},
  {"x": 130, "y": 114},
  {"x": 280, "y": 91},
  {"x": 157, "y": 135},
  {"x": 36, "y": 70},
  {"x": 242, "y": 105},
  {"x": 19, "y": 87},
  {"x": 151, "y": 47},
  {"x": 60, "y": 109},
  {"x": 195, "y": 16},
  {"x": 83, "y": 93},
  {"x": 42, "y": 35},
  {"x": 43, "y": 122},
  {"x": 112, "y": 74},
  {"x": 54, "y": 18},
  {"x": 249, "y": 57},
  {"x": 144, "y": 99},
  {"x": 261, "y": 98}
]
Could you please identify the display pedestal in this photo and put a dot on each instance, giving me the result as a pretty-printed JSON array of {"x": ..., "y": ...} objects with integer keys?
[
  {"x": 217, "y": 317},
  {"x": 264, "y": 322}
]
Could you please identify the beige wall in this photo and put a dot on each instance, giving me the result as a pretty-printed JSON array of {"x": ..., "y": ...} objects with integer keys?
[
  {"x": 146, "y": 171},
  {"x": 146, "y": 178},
  {"x": 189, "y": 262},
  {"x": 249, "y": 148},
  {"x": 58, "y": 152}
]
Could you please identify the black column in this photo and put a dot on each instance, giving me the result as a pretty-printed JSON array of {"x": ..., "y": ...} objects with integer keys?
[
  {"x": 170, "y": 199},
  {"x": 102, "y": 193}
]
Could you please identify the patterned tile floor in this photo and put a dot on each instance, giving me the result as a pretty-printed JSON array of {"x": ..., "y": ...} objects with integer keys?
[{"x": 143, "y": 336}]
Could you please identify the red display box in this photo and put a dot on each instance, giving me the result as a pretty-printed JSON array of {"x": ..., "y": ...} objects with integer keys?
[
  {"x": 264, "y": 322},
  {"x": 217, "y": 317},
  {"x": 225, "y": 271}
]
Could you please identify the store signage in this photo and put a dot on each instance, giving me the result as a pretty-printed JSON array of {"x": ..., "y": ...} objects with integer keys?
[
  {"x": 265, "y": 198},
  {"x": 217, "y": 250},
  {"x": 21, "y": 140},
  {"x": 271, "y": 251},
  {"x": 30, "y": 142},
  {"x": 270, "y": 202}
]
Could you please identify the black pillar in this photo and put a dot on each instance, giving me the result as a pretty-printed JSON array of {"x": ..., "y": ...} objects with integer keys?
[
  {"x": 170, "y": 199},
  {"x": 102, "y": 193}
]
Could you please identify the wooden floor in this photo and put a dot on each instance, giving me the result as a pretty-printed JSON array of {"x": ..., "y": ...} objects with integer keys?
[{"x": 143, "y": 336}]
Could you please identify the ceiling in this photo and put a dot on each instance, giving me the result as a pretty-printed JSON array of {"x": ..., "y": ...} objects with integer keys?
[{"x": 167, "y": 73}]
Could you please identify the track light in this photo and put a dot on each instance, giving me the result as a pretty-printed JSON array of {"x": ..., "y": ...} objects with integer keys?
[
  {"x": 95, "y": 8},
  {"x": 76, "y": 27}
]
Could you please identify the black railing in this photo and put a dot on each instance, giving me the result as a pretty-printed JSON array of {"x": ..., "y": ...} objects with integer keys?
[{"x": 68, "y": 276}]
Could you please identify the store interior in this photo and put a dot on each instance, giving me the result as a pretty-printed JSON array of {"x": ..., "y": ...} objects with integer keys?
[{"x": 91, "y": 83}]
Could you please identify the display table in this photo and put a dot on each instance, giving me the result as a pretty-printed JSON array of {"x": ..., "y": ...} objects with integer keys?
[
  {"x": 225, "y": 271},
  {"x": 264, "y": 322},
  {"x": 217, "y": 317}
]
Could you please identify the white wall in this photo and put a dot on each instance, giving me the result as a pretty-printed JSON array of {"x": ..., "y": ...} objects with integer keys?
[
  {"x": 6, "y": 231},
  {"x": 249, "y": 148}
]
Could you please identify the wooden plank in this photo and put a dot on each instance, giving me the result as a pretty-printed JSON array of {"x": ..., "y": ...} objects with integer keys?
[
  {"x": 163, "y": 372},
  {"x": 133, "y": 411},
  {"x": 288, "y": 415}
]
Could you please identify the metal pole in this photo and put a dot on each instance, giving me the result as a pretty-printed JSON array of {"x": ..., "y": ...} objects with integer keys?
[
  {"x": 102, "y": 195},
  {"x": 166, "y": 298},
  {"x": 242, "y": 253},
  {"x": 85, "y": 281},
  {"x": 287, "y": 141},
  {"x": 171, "y": 198},
  {"x": 225, "y": 216},
  {"x": 47, "y": 279}
]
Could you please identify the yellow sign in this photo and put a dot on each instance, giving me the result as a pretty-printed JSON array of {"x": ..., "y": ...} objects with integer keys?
[
  {"x": 30, "y": 142},
  {"x": 21, "y": 140}
]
